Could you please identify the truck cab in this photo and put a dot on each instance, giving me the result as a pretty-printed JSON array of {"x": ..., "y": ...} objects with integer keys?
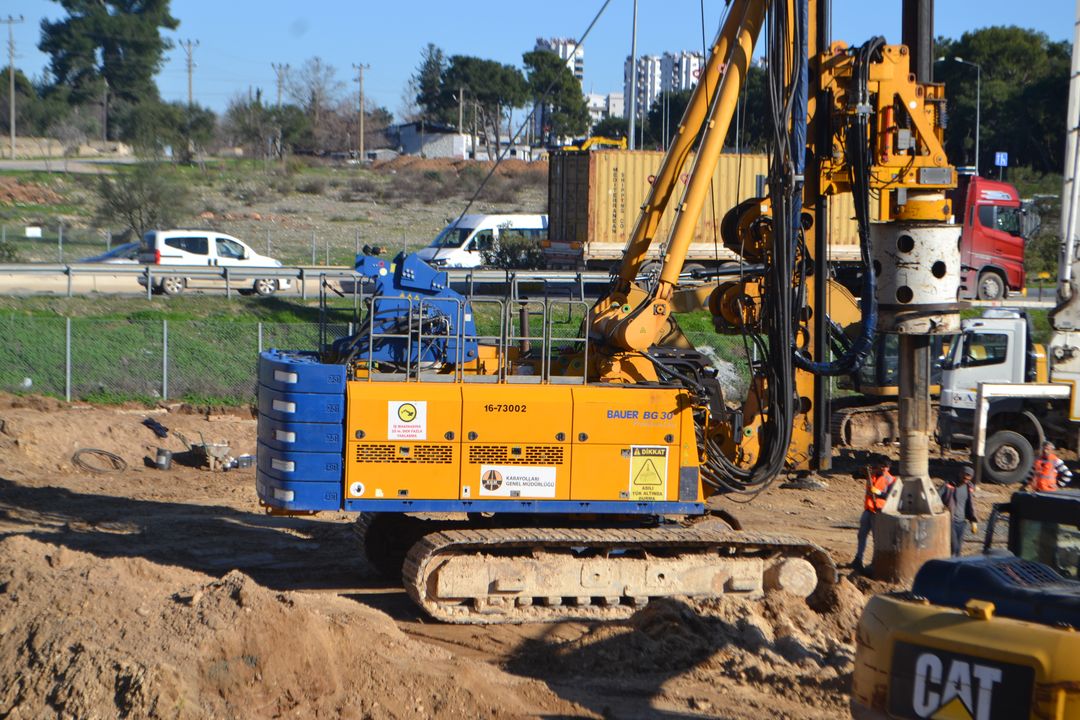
[
  {"x": 993, "y": 237},
  {"x": 994, "y": 348}
]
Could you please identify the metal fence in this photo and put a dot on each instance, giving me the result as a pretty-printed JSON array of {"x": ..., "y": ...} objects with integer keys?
[
  {"x": 115, "y": 360},
  {"x": 332, "y": 245}
]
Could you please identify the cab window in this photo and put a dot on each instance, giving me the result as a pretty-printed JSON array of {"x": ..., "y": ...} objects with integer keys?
[
  {"x": 229, "y": 249},
  {"x": 1051, "y": 544},
  {"x": 984, "y": 349},
  {"x": 1005, "y": 219},
  {"x": 197, "y": 245},
  {"x": 483, "y": 241}
]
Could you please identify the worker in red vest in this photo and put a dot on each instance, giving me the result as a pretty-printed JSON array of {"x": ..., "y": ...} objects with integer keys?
[
  {"x": 1049, "y": 471},
  {"x": 878, "y": 483}
]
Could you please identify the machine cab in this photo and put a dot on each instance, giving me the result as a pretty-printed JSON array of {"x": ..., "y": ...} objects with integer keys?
[{"x": 992, "y": 348}]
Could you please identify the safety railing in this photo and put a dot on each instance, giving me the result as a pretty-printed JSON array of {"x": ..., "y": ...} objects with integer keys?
[
  {"x": 471, "y": 282},
  {"x": 534, "y": 329}
]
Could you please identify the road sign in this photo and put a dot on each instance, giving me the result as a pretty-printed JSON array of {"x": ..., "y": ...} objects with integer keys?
[{"x": 1001, "y": 159}]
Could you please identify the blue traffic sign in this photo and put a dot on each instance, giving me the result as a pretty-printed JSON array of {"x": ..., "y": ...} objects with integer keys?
[{"x": 1001, "y": 159}]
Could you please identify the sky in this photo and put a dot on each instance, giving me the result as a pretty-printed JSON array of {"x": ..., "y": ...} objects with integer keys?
[{"x": 240, "y": 39}]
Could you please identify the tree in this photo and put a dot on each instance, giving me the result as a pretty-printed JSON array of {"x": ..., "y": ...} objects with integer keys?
[
  {"x": 317, "y": 89},
  {"x": 612, "y": 127},
  {"x": 426, "y": 82},
  {"x": 1024, "y": 90},
  {"x": 557, "y": 94},
  {"x": 115, "y": 40},
  {"x": 753, "y": 123},
  {"x": 493, "y": 87},
  {"x": 144, "y": 198},
  {"x": 666, "y": 111}
]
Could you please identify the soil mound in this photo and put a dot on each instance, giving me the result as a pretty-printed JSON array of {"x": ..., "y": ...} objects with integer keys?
[
  {"x": 13, "y": 191},
  {"x": 123, "y": 637},
  {"x": 780, "y": 645}
]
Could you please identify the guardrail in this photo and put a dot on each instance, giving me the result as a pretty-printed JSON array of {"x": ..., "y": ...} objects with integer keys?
[{"x": 230, "y": 275}]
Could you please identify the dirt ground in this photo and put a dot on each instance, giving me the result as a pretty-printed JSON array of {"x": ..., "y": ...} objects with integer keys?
[{"x": 148, "y": 593}]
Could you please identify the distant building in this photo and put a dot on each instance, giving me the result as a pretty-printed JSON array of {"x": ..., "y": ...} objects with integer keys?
[
  {"x": 433, "y": 140},
  {"x": 649, "y": 83},
  {"x": 669, "y": 72},
  {"x": 602, "y": 107},
  {"x": 568, "y": 50},
  {"x": 680, "y": 71}
]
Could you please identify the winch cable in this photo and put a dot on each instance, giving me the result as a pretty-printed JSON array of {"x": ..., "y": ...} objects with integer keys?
[
  {"x": 857, "y": 142},
  {"x": 787, "y": 162}
]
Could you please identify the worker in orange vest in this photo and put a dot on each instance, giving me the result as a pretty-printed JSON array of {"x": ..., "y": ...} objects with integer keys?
[
  {"x": 878, "y": 483},
  {"x": 1049, "y": 472}
]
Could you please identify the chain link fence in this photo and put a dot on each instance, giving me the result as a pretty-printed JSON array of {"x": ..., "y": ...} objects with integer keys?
[{"x": 106, "y": 360}]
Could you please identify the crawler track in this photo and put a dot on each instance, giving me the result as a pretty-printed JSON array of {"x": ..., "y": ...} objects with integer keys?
[
  {"x": 518, "y": 575},
  {"x": 864, "y": 426}
]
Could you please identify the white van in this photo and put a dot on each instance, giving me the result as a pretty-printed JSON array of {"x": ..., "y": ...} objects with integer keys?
[
  {"x": 203, "y": 247},
  {"x": 461, "y": 243}
]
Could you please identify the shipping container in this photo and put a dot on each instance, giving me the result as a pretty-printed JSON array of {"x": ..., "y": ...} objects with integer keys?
[{"x": 594, "y": 199}]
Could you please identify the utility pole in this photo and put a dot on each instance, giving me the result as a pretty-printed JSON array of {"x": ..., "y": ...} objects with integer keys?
[
  {"x": 105, "y": 111},
  {"x": 360, "y": 81},
  {"x": 282, "y": 72},
  {"x": 189, "y": 48},
  {"x": 460, "y": 107},
  {"x": 11, "y": 23}
]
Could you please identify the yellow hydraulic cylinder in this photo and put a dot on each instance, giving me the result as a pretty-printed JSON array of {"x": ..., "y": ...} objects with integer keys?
[
  {"x": 712, "y": 143},
  {"x": 694, "y": 116}
]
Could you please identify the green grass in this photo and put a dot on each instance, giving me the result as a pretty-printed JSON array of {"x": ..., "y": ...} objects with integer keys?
[
  {"x": 193, "y": 307},
  {"x": 117, "y": 348}
]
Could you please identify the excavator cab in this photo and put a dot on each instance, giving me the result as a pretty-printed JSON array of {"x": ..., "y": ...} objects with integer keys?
[{"x": 1043, "y": 527}]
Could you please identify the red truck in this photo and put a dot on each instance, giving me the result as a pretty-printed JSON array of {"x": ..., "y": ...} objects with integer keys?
[{"x": 992, "y": 243}]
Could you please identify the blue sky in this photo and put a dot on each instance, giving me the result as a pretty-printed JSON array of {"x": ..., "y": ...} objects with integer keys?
[{"x": 239, "y": 39}]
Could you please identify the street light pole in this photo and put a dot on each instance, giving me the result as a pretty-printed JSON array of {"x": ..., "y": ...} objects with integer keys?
[{"x": 978, "y": 105}]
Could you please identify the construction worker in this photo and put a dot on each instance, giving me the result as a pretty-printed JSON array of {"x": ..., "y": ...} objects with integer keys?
[
  {"x": 878, "y": 483},
  {"x": 1048, "y": 472},
  {"x": 959, "y": 498}
]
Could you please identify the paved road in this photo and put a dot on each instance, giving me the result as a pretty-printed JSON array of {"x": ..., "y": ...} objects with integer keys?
[{"x": 79, "y": 166}]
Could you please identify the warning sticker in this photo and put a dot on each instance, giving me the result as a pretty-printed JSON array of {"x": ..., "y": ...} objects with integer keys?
[
  {"x": 406, "y": 420},
  {"x": 648, "y": 473},
  {"x": 517, "y": 481}
]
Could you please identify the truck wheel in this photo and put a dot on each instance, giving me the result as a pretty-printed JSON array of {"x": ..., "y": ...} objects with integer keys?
[
  {"x": 172, "y": 285},
  {"x": 1009, "y": 457},
  {"x": 264, "y": 286},
  {"x": 991, "y": 286}
]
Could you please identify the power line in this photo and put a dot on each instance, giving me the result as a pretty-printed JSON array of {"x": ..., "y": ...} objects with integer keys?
[
  {"x": 11, "y": 23},
  {"x": 189, "y": 50}
]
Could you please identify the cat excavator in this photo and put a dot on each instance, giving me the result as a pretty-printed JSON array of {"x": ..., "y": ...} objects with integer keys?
[{"x": 554, "y": 461}]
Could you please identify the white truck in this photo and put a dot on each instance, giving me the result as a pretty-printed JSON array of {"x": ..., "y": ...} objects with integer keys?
[
  {"x": 463, "y": 242},
  {"x": 1011, "y": 418},
  {"x": 997, "y": 351}
]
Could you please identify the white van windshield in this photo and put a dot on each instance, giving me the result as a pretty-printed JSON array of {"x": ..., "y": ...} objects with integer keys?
[{"x": 452, "y": 236}]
